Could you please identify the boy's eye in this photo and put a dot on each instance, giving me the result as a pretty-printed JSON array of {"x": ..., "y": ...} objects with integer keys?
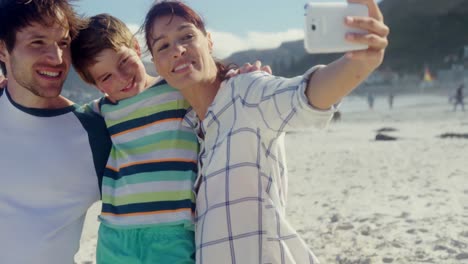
[{"x": 107, "y": 77}]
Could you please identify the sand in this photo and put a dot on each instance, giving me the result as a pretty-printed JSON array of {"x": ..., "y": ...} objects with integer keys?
[{"x": 356, "y": 200}]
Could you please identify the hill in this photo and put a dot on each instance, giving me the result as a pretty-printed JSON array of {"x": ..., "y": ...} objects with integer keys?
[{"x": 423, "y": 32}]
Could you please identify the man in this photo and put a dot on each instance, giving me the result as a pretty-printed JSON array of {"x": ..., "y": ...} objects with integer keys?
[{"x": 52, "y": 153}]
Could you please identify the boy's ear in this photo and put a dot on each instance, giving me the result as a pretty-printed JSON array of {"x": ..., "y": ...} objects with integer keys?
[
  {"x": 210, "y": 41},
  {"x": 136, "y": 47}
]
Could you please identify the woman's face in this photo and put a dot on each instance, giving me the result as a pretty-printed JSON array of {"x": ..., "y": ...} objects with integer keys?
[{"x": 182, "y": 53}]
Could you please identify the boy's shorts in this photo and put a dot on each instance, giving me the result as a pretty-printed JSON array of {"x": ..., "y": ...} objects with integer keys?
[{"x": 161, "y": 244}]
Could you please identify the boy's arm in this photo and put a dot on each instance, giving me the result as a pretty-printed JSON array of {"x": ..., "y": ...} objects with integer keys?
[{"x": 331, "y": 83}]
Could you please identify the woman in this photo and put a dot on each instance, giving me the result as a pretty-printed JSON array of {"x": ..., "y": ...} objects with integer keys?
[{"x": 241, "y": 122}]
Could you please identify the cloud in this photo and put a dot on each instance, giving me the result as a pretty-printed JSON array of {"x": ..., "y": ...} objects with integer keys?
[{"x": 226, "y": 43}]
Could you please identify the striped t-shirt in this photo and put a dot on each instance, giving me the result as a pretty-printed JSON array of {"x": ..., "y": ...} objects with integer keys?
[{"x": 153, "y": 162}]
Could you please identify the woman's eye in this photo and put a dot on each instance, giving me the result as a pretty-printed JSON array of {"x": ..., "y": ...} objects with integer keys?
[
  {"x": 163, "y": 47},
  {"x": 188, "y": 37}
]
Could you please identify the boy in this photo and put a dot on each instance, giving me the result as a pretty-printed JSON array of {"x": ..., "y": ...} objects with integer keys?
[{"x": 148, "y": 203}]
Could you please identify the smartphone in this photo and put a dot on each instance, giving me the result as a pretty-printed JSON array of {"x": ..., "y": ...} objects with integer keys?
[{"x": 325, "y": 28}]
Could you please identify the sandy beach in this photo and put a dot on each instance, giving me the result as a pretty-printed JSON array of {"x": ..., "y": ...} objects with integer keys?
[{"x": 356, "y": 200}]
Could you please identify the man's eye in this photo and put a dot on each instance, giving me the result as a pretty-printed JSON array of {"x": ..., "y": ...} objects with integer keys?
[
  {"x": 64, "y": 44},
  {"x": 37, "y": 42}
]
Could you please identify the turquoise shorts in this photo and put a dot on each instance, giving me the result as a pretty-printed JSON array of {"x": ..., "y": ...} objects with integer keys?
[{"x": 161, "y": 244}]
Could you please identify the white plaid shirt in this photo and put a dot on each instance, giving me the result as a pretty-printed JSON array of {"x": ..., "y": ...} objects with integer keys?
[{"x": 242, "y": 182}]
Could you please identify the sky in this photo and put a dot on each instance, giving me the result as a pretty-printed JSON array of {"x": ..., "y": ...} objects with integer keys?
[{"x": 235, "y": 25}]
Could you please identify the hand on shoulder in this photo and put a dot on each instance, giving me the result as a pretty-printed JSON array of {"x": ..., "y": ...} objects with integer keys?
[
  {"x": 247, "y": 67},
  {"x": 3, "y": 82}
]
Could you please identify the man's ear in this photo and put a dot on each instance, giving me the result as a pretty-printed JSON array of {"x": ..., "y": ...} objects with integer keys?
[
  {"x": 136, "y": 47},
  {"x": 3, "y": 51}
]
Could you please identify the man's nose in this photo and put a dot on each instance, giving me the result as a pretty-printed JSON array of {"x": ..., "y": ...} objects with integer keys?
[{"x": 54, "y": 54}]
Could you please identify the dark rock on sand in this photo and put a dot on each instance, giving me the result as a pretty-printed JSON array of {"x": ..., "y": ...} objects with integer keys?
[
  {"x": 335, "y": 218},
  {"x": 383, "y": 137},
  {"x": 346, "y": 226},
  {"x": 345, "y": 260},
  {"x": 387, "y": 260},
  {"x": 461, "y": 256},
  {"x": 453, "y": 135}
]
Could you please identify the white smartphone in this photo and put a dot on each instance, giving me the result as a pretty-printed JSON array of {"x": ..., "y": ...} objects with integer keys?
[{"x": 325, "y": 28}]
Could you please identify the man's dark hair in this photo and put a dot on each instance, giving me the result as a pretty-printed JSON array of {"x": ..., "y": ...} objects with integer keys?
[{"x": 18, "y": 14}]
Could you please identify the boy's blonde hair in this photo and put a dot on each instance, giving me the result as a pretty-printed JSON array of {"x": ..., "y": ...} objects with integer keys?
[{"x": 102, "y": 32}]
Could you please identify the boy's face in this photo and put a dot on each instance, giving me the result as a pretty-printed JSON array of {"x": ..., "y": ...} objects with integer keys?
[{"x": 120, "y": 74}]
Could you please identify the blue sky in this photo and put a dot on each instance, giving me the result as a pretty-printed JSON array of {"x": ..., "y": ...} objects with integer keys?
[{"x": 235, "y": 25}]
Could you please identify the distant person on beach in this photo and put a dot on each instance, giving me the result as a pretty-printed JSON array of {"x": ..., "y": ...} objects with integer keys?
[
  {"x": 391, "y": 97},
  {"x": 459, "y": 98},
  {"x": 241, "y": 188},
  {"x": 370, "y": 100},
  {"x": 52, "y": 152}
]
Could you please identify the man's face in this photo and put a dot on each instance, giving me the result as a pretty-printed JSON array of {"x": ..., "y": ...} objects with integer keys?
[{"x": 40, "y": 60}]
